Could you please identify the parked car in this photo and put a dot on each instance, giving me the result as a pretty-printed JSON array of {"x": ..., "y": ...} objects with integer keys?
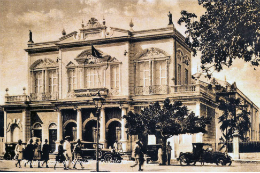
[
  {"x": 203, "y": 153},
  {"x": 9, "y": 150},
  {"x": 152, "y": 152},
  {"x": 88, "y": 151}
]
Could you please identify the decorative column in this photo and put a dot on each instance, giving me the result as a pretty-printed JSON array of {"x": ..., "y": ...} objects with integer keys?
[
  {"x": 236, "y": 145},
  {"x": 59, "y": 129},
  {"x": 79, "y": 124},
  {"x": 199, "y": 136},
  {"x": 123, "y": 130},
  {"x": 46, "y": 82},
  {"x": 24, "y": 125},
  {"x": 5, "y": 134},
  {"x": 103, "y": 127}
]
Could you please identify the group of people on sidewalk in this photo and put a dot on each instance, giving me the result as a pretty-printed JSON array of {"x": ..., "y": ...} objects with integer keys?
[
  {"x": 32, "y": 152},
  {"x": 36, "y": 152},
  {"x": 65, "y": 154}
]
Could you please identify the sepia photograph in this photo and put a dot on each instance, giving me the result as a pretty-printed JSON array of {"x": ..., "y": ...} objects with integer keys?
[{"x": 129, "y": 85}]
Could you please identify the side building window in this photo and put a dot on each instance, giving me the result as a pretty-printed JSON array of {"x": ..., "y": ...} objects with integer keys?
[
  {"x": 114, "y": 77},
  {"x": 71, "y": 80},
  {"x": 179, "y": 74}
]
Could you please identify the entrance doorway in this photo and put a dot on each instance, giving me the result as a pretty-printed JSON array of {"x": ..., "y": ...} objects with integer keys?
[
  {"x": 71, "y": 131},
  {"x": 114, "y": 133},
  {"x": 90, "y": 131},
  {"x": 52, "y": 136}
]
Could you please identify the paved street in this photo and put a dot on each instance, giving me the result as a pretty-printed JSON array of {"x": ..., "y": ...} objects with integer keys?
[{"x": 125, "y": 167}]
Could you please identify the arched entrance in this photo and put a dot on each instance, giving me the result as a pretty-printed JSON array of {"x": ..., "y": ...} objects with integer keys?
[
  {"x": 52, "y": 136},
  {"x": 14, "y": 133},
  {"x": 37, "y": 130},
  {"x": 90, "y": 131},
  {"x": 71, "y": 130},
  {"x": 114, "y": 133}
]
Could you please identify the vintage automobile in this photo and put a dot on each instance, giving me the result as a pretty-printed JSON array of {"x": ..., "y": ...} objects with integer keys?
[
  {"x": 203, "y": 153},
  {"x": 9, "y": 150},
  {"x": 152, "y": 152},
  {"x": 88, "y": 151}
]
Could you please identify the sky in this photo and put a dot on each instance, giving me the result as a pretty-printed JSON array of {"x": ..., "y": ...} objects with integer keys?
[{"x": 47, "y": 18}]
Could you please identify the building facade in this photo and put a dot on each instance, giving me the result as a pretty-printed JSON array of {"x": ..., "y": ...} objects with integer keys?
[{"x": 130, "y": 69}]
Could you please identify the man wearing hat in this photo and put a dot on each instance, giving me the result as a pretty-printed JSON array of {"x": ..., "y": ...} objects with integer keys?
[
  {"x": 139, "y": 155},
  {"x": 68, "y": 154},
  {"x": 45, "y": 152}
]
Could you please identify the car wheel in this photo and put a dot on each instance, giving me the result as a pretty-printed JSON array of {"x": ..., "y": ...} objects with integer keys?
[
  {"x": 108, "y": 158},
  {"x": 184, "y": 161},
  {"x": 221, "y": 161},
  {"x": 193, "y": 163},
  {"x": 230, "y": 163}
]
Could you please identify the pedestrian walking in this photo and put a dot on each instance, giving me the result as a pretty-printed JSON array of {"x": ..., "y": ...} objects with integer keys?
[
  {"x": 169, "y": 152},
  {"x": 60, "y": 158},
  {"x": 160, "y": 155},
  {"x": 77, "y": 154},
  {"x": 19, "y": 153},
  {"x": 29, "y": 153},
  {"x": 139, "y": 155},
  {"x": 68, "y": 153},
  {"x": 115, "y": 145},
  {"x": 37, "y": 152},
  {"x": 45, "y": 153}
]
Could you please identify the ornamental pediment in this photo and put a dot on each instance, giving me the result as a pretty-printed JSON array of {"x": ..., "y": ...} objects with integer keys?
[
  {"x": 87, "y": 57},
  {"x": 43, "y": 63},
  {"x": 151, "y": 53}
]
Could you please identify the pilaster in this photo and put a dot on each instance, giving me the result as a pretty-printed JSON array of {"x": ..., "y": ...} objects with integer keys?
[
  {"x": 103, "y": 127},
  {"x": 79, "y": 124},
  {"x": 123, "y": 130}
]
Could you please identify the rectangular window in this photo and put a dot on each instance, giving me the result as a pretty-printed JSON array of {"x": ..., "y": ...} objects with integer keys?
[
  {"x": 115, "y": 77},
  {"x": 144, "y": 74},
  {"x": 71, "y": 80},
  {"x": 53, "y": 81},
  {"x": 186, "y": 76},
  {"x": 92, "y": 78},
  {"x": 160, "y": 73},
  {"x": 179, "y": 74},
  {"x": 38, "y": 83}
]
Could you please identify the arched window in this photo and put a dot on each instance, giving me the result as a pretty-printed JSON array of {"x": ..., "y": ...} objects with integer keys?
[{"x": 37, "y": 130}]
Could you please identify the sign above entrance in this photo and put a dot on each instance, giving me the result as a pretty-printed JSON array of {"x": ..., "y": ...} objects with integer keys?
[{"x": 90, "y": 92}]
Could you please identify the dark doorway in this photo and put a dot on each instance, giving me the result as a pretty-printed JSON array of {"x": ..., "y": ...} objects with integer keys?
[
  {"x": 90, "y": 129},
  {"x": 37, "y": 133},
  {"x": 52, "y": 138},
  {"x": 114, "y": 133},
  {"x": 71, "y": 131}
]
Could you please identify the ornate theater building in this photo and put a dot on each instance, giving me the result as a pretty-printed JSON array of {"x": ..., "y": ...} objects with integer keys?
[{"x": 130, "y": 69}]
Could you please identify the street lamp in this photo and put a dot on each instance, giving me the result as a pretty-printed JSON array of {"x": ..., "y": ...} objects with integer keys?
[{"x": 98, "y": 101}]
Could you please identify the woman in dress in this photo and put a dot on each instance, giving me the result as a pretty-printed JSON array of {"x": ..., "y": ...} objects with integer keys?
[
  {"x": 77, "y": 154},
  {"x": 160, "y": 155},
  {"x": 37, "y": 152},
  {"x": 60, "y": 157},
  {"x": 19, "y": 152}
]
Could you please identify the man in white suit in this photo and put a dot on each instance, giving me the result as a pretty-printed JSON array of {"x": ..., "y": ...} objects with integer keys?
[{"x": 68, "y": 154}]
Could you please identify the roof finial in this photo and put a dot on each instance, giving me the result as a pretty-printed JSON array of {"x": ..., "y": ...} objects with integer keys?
[
  {"x": 63, "y": 32},
  {"x": 82, "y": 24},
  {"x": 30, "y": 37},
  {"x": 104, "y": 21},
  {"x": 131, "y": 24},
  {"x": 170, "y": 18}
]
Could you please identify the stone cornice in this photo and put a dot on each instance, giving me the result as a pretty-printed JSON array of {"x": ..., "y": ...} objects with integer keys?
[{"x": 137, "y": 36}]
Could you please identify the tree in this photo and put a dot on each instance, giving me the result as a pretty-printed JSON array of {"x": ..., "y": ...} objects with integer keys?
[
  {"x": 234, "y": 115},
  {"x": 229, "y": 29},
  {"x": 165, "y": 121}
]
